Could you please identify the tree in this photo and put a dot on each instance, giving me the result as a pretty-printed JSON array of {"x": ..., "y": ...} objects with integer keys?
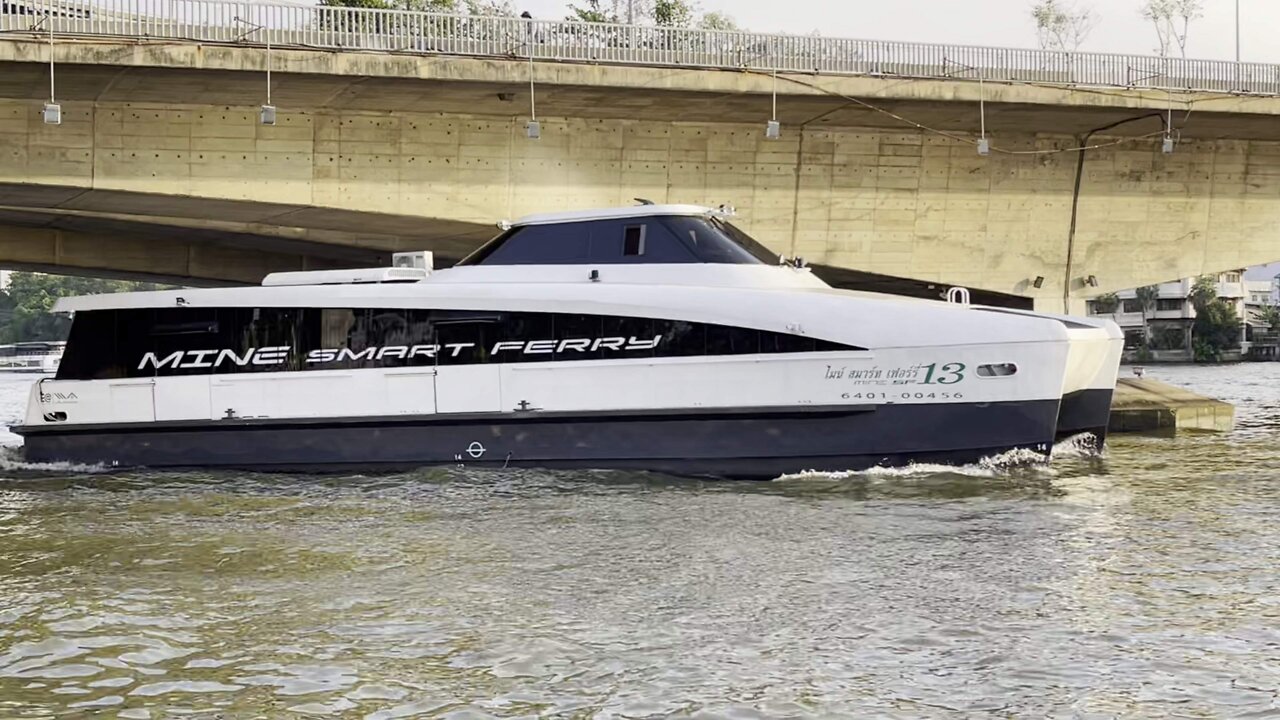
[
  {"x": 1217, "y": 328},
  {"x": 1106, "y": 304},
  {"x": 672, "y": 13},
  {"x": 440, "y": 6},
  {"x": 716, "y": 20},
  {"x": 1203, "y": 291},
  {"x": 1060, "y": 26},
  {"x": 1172, "y": 21},
  {"x": 490, "y": 8},
  {"x": 30, "y": 297},
  {"x": 1269, "y": 316},
  {"x": 593, "y": 11},
  {"x": 1147, "y": 297}
]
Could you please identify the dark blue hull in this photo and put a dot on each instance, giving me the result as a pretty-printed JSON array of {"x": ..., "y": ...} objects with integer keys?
[
  {"x": 1085, "y": 411},
  {"x": 758, "y": 443}
]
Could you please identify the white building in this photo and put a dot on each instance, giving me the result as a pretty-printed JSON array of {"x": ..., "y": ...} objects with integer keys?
[{"x": 1169, "y": 322}]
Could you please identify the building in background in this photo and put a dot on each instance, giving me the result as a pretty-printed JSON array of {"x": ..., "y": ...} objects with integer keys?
[{"x": 1170, "y": 321}]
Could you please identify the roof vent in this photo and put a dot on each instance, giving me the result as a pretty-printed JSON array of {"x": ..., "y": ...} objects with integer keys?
[{"x": 357, "y": 276}]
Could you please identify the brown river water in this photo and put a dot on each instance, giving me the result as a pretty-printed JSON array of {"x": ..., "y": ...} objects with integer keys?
[{"x": 1143, "y": 583}]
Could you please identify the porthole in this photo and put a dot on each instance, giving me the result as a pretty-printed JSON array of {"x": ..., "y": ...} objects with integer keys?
[{"x": 997, "y": 370}]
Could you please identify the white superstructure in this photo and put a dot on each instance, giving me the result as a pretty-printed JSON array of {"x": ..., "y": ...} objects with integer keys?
[{"x": 656, "y": 337}]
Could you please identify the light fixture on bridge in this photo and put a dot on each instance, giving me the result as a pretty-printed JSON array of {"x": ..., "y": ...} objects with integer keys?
[
  {"x": 533, "y": 128},
  {"x": 1091, "y": 281},
  {"x": 1038, "y": 282},
  {"x": 267, "y": 115},
  {"x": 984, "y": 145},
  {"x": 1166, "y": 145},
  {"x": 52, "y": 113},
  {"x": 773, "y": 128}
]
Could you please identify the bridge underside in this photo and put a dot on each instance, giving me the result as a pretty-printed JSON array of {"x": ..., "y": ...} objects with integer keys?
[
  {"x": 161, "y": 168},
  {"x": 204, "y": 241}
]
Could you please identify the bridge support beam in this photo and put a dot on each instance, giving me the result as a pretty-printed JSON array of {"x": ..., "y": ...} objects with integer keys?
[
  {"x": 433, "y": 148},
  {"x": 169, "y": 261}
]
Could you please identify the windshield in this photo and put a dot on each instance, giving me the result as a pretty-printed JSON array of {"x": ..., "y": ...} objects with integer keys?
[{"x": 655, "y": 240}]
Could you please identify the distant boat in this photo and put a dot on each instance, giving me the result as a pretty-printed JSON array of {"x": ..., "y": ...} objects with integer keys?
[{"x": 31, "y": 357}]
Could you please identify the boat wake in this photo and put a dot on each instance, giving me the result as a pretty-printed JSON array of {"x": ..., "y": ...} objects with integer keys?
[
  {"x": 1004, "y": 464},
  {"x": 12, "y": 462}
]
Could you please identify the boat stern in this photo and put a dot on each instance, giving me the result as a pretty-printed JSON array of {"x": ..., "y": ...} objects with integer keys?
[{"x": 1093, "y": 365}]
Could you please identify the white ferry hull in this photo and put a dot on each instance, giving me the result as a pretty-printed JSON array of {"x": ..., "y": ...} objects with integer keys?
[{"x": 652, "y": 339}]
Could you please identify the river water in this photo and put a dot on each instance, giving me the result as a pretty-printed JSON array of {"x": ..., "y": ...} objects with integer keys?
[{"x": 1142, "y": 583}]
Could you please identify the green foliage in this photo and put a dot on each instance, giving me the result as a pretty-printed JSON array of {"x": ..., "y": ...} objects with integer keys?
[
  {"x": 1060, "y": 26},
  {"x": 1147, "y": 296},
  {"x": 1217, "y": 329},
  {"x": 1106, "y": 303},
  {"x": 440, "y": 6},
  {"x": 672, "y": 13},
  {"x": 490, "y": 8},
  {"x": 592, "y": 11},
  {"x": 716, "y": 20},
  {"x": 1169, "y": 337},
  {"x": 1204, "y": 291},
  {"x": 1269, "y": 316},
  {"x": 375, "y": 4},
  {"x": 26, "y": 304}
]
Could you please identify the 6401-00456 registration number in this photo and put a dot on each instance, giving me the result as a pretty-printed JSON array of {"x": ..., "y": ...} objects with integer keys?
[{"x": 903, "y": 395}]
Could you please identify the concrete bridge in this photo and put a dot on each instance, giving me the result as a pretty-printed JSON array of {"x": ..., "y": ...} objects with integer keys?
[{"x": 408, "y": 131}]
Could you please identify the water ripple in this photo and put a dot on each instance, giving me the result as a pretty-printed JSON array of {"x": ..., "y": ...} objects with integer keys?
[{"x": 1142, "y": 582}]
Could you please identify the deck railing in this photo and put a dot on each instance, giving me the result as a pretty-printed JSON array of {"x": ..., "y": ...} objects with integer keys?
[{"x": 361, "y": 29}]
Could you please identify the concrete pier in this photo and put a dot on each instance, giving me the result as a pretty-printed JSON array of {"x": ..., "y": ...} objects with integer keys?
[{"x": 1144, "y": 405}]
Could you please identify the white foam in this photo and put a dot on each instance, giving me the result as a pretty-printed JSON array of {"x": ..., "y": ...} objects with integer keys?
[
  {"x": 988, "y": 467},
  {"x": 11, "y": 460},
  {"x": 1084, "y": 445}
]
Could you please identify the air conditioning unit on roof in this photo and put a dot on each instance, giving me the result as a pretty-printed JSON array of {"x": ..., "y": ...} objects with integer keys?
[{"x": 421, "y": 259}]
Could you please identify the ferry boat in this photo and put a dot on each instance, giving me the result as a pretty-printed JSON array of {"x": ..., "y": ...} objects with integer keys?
[
  {"x": 31, "y": 357},
  {"x": 654, "y": 337}
]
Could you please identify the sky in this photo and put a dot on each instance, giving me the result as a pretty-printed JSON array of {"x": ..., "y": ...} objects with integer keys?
[
  {"x": 1007, "y": 23},
  {"x": 1263, "y": 272}
]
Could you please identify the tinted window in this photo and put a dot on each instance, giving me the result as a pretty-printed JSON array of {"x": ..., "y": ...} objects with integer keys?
[
  {"x": 198, "y": 341},
  {"x": 656, "y": 239},
  {"x": 710, "y": 243},
  {"x": 633, "y": 240},
  {"x": 636, "y": 241},
  {"x": 559, "y": 244}
]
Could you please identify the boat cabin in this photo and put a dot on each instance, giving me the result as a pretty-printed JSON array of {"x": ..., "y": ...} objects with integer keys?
[{"x": 645, "y": 234}]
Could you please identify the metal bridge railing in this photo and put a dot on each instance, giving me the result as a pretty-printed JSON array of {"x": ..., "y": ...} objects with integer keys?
[{"x": 289, "y": 25}]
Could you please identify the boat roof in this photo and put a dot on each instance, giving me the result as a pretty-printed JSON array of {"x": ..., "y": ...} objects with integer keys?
[{"x": 630, "y": 211}]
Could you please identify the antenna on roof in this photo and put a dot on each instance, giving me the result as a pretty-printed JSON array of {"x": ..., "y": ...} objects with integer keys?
[{"x": 643, "y": 201}]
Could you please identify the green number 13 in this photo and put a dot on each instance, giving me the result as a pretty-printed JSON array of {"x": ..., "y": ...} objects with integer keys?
[{"x": 948, "y": 374}]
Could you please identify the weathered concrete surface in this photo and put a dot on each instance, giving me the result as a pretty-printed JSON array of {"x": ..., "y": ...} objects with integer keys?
[
  {"x": 168, "y": 259},
  {"x": 1145, "y": 405},
  {"x": 431, "y": 152}
]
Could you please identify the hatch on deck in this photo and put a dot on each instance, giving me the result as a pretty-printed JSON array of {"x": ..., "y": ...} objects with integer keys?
[{"x": 357, "y": 276}]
